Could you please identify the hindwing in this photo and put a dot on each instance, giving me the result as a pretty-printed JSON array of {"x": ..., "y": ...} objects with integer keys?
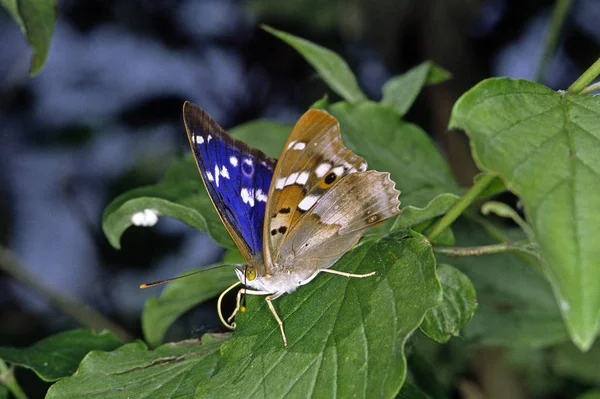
[
  {"x": 313, "y": 163},
  {"x": 338, "y": 220}
]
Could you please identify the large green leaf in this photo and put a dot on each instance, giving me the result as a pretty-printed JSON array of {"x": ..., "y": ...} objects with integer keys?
[
  {"x": 132, "y": 371},
  {"x": 181, "y": 194},
  {"x": 180, "y": 296},
  {"x": 330, "y": 66},
  {"x": 401, "y": 148},
  {"x": 400, "y": 92},
  {"x": 546, "y": 146},
  {"x": 456, "y": 309},
  {"x": 36, "y": 19},
  {"x": 346, "y": 336},
  {"x": 516, "y": 307},
  {"x": 59, "y": 355}
]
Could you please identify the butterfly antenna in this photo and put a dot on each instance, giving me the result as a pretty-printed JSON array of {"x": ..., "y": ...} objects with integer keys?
[{"x": 148, "y": 285}]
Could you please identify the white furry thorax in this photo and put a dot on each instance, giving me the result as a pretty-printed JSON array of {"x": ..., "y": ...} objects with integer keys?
[{"x": 274, "y": 283}]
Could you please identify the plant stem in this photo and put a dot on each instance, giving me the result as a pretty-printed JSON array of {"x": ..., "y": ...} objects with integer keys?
[
  {"x": 559, "y": 14},
  {"x": 586, "y": 78},
  {"x": 81, "y": 312},
  {"x": 458, "y": 208},
  {"x": 591, "y": 88},
  {"x": 509, "y": 246},
  {"x": 499, "y": 235},
  {"x": 7, "y": 377}
]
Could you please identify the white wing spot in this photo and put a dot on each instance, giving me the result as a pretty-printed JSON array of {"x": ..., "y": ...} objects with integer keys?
[
  {"x": 149, "y": 217},
  {"x": 224, "y": 172},
  {"x": 209, "y": 138},
  {"x": 233, "y": 161},
  {"x": 210, "y": 176},
  {"x": 260, "y": 196},
  {"x": 362, "y": 167},
  {"x": 291, "y": 179},
  {"x": 322, "y": 169},
  {"x": 299, "y": 146},
  {"x": 280, "y": 183},
  {"x": 199, "y": 139},
  {"x": 217, "y": 173},
  {"x": 291, "y": 144},
  {"x": 303, "y": 178},
  {"x": 338, "y": 171},
  {"x": 248, "y": 161},
  {"x": 247, "y": 196},
  {"x": 308, "y": 202}
]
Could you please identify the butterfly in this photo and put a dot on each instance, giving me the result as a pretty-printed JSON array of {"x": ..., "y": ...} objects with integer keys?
[{"x": 294, "y": 218}]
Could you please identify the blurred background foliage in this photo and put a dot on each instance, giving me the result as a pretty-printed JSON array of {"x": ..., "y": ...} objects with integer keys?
[{"x": 104, "y": 116}]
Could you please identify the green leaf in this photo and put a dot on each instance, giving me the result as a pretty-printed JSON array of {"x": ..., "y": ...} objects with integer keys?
[
  {"x": 132, "y": 371},
  {"x": 546, "y": 146},
  {"x": 321, "y": 103},
  {"x": 570, "y": 362},
  {"x": 181, "y": 194},
  {"x": 4, "y": 392},
  {"x": 401, "y": 148},
  {"x": 179, "y": 296},
  {"x": 233, "y": 257},
  {"x": 517, "y": 327},
  {"x": 330, "y": 66},
  {"x": 446, "y": 237},
  {"x": 457, "y": 307},
  {"x": 516, "y": 307},
  {"x": 338, "y": 329},
  {"x": 268, "y": 136},
  {"x": 400, "y": 92},
  {"x": 57, "y": 356},
  {"x": 412, "y": 215},
  {"x": 36, "y": 19}
]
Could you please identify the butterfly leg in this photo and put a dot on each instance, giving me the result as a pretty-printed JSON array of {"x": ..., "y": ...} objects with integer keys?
[
  {"x": 269, "y": 299},
  {"x": 238, "y": 303},
  {"x": 339, "y": 273}
]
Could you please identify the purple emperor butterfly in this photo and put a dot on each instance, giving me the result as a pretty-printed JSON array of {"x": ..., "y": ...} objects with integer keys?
[{"x": 291, "y": 219}]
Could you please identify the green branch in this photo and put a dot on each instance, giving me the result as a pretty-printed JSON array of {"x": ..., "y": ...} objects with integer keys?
[
  {"x": 559, "y": 15},
  {"x": 509, "y": 246},
  {"x": 459, "y": 207},
  {"x": 586, "y": 78},
  {"x": 7, "y": 377},
  {"x": 81, "y": 312}
]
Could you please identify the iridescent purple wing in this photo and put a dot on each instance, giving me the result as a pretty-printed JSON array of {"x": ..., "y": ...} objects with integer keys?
[{"x": 237, "y": 178}]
